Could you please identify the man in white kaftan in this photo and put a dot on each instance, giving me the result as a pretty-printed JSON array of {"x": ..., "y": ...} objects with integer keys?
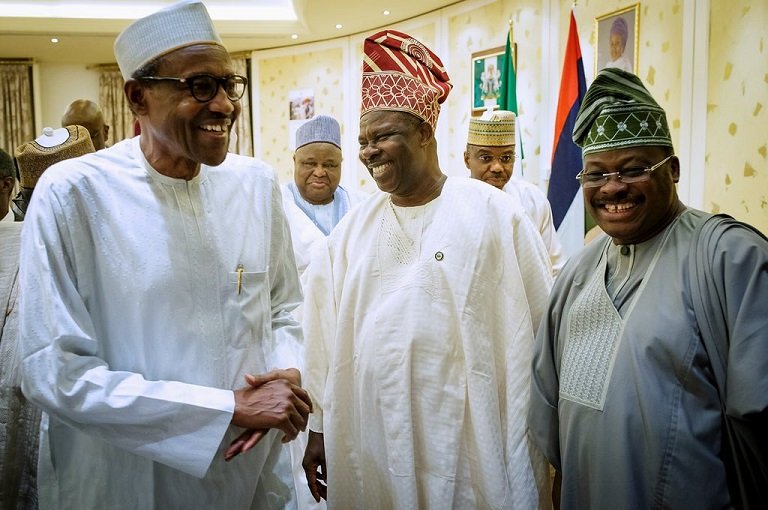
[
  {"x": 419, "y": 319},
  {"x": 157, "y": 274},
  {"x": 632, "y": 381},
  {"x": 490, "y": 157},
  {"x": 315, "y": 201}
]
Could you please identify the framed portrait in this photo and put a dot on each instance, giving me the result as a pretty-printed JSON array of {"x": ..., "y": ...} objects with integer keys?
[
  {"x": 618, "y": 39},
  {"x": 301, "y": 104},
  {"x": 487, "y": 78}
]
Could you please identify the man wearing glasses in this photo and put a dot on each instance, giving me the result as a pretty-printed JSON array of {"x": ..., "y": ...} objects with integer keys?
[
  {"x": 645, "y": 327},
  {"x": 158, "y": 279}
]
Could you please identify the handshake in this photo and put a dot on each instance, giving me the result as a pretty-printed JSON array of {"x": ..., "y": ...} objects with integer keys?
[{"x": 274, "y": 400}]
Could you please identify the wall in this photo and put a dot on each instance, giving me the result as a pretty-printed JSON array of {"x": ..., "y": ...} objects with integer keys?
[
  {"x": 318, "y": 70},
  {"x": 483, "y": 28},
  {"x": 737, "y": 121},
  {"x": 59, "y": 85},
  {"x": 724, "y": 151}
]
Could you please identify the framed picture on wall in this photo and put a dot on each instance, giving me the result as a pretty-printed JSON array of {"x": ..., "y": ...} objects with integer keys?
[
  {"x": 486, "y": 79},
  {"x": 618, "y": 39}
]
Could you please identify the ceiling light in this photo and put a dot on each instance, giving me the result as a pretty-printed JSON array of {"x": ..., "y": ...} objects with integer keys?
[
  {"x": 339, "y": 25},
  {"x": 294, "y": 36},
  {"x": 54, "y": 40},
  {"x": 274, "y": 10},
  {"x": 385, "y": 13}
]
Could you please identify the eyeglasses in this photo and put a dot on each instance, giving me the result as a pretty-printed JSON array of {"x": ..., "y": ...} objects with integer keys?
[
  {"x": 204, "y": 87},
  {"x": 626, "y": 175}
]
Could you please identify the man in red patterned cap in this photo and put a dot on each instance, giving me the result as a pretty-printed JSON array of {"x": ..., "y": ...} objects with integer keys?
[{"x": 420, "y": 316}]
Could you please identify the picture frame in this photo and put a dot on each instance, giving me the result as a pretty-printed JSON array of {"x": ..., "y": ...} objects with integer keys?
[
  {"x": 622, "y": 25},
  {"x": 487, "y": 78}
]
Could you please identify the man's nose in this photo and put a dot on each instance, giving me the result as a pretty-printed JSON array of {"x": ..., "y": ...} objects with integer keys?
[
  {"x": 496, "y": 166},
  {"x": 367, "y": 151},
  {"x": 613, "y": 183}
]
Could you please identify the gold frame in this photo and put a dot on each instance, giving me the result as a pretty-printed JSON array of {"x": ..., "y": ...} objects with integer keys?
[
  {"x": 477, "y": 107},
  {"x": 602, "y": 31}
]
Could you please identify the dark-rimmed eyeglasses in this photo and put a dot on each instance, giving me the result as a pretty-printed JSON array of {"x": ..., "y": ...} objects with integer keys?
[
  {"x": 204, "y": 87},
  {"x": 626, "y": 175}
]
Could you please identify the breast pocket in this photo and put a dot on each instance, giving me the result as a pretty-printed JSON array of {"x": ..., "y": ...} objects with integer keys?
[{"x": 249, "y": 303}]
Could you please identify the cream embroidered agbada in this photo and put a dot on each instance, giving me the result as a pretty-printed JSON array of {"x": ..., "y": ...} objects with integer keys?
[{"x": 419, "y": 328}]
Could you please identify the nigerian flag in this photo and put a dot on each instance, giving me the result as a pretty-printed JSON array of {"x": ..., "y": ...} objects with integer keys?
[{"x": 508, "y": 99}]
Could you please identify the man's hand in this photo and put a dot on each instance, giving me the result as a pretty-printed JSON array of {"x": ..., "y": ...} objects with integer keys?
[
  {"x": 272, "y": 400},
  {"x": 314, "y": 466}
]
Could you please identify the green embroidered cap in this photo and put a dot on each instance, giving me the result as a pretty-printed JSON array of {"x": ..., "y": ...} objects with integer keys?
[{"x": 618, "y": 112}]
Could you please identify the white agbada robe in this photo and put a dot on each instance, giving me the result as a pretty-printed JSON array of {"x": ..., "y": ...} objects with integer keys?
[
  {"x": 536, "y": 205},
  {"x": 135, "y": 330},
  {"x": 418, "y": 354}
]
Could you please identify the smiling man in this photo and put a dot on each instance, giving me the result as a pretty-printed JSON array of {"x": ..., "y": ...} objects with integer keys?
[
  {"x": 158, "y": 275},
  {"x": 315, "y": 202},
  {"x": 653, "y": 335},
  {"x": 420, "y": 314}
]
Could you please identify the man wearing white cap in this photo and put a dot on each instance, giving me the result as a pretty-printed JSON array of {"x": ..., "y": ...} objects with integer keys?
[
  {"x": 420, "y": 316},
  {"x": 158, "y": 279},
  {"x": 490, "y": 157},
  {"x": 315, "y": 201}
]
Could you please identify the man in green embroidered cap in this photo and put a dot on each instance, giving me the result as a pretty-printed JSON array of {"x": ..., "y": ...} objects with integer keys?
[{"x": 647, "y": 325}]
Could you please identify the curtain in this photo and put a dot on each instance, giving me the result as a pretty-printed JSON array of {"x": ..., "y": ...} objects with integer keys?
[
  {"x": 17, "y": 118},
  {"x": 114, "y": 105},
  {"x": 244, "y": 143}
]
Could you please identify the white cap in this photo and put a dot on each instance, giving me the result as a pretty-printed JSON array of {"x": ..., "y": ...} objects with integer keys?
[
  {"x": 179, "y": 25},
  {"x": 321, "y": 128}
]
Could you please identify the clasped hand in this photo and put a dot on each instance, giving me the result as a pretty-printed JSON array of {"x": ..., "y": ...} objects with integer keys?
[{"x": 274, "y": 400}]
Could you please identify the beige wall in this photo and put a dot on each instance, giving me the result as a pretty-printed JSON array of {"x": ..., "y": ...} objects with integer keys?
[
  {"x": 59, "y": 85},
  {"x": 481, "y": 29},
  {"x": 659, "y": 48},
  {"x": 737, "y": 121},
  {"x": 319, "y": 71},
  {"x": 732, "y": 176}
]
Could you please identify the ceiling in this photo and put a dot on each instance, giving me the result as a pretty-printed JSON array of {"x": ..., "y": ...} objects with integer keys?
[{"x": 89, "y": 40}]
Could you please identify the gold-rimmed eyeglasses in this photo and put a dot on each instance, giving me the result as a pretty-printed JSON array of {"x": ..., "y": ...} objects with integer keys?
[{"x": 590, "y": 179}]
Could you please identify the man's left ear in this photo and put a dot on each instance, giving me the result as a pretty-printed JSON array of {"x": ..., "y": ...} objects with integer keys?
[{"x": 674, "y": 164}]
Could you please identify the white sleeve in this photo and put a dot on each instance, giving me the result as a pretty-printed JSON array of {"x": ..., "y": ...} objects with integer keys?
[
  {"x": 319, "y": 324},
  {"x": 286, "y": 349},
  {"x": 180, "y": 425}
]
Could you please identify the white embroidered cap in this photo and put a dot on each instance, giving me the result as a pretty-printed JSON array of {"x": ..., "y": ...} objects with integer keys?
[{"x": 179, "y": 25}]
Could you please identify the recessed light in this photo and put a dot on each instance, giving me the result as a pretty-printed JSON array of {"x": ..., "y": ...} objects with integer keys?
[
  {"x": 54, "y": 40},
  {"x": 385, "y": 13},
  {"x": 339, "y": 25},
  {"x": 294, "y": 36}
]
